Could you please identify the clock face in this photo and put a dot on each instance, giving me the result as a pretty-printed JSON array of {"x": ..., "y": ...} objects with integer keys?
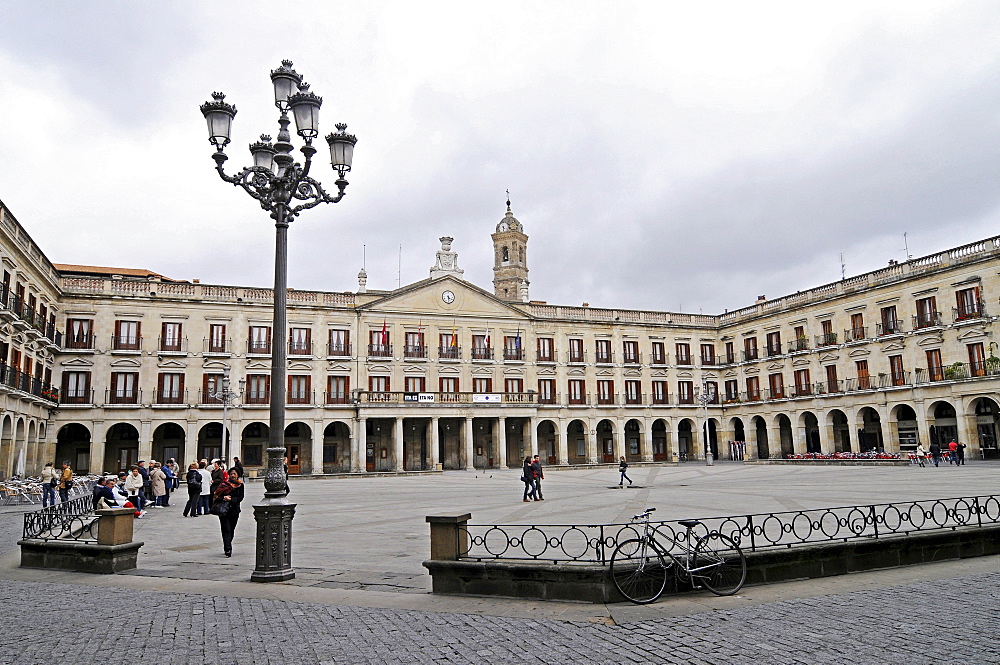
[
  {"x": 448, "y": 297},
  {"x": 503, "y": 226}
]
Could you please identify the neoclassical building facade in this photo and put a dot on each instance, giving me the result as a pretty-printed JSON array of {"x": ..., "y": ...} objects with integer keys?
[{"x": 105, "y": 366}]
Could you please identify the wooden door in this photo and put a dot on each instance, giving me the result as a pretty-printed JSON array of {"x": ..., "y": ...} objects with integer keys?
[{"x": 294, "y": 458}]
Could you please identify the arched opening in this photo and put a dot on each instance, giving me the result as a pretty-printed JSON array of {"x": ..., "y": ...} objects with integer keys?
[
  {"x": 449, "y": 445},
  {"x": 633, "y": 440},
  {"x": 210, "y": 442},
  {"x": 547, "y": 433},
  {"x": 906, "y": 427},
  {"x": 121, "y": 447},
  {"x": 7, "y": 447},
  {"x": 870, "y": 432},
  {"x": 576, "y": 438},
  {"x": 483, "y": 450},
  {"x": 712, "y": 436},
  {"x": 811, "y": 425},
  {"x": 785, "y": 435},
  {"x": 517, "y": 446},
  {"x": 253, "y": 443},
  {"x": 336, "y": 448},
  {"x": 659, "y": 433},
  {"x": 685, "y": 441},
  {"x": 987, "y": 419},
  {"x": 298, "y": 447},
  {"x": 606, "y": 440},
  {"x": 20, "y": 461},
  {"x": 168, "y": 443},
  {"x": 760, "y": 429},
  {"x": 738, "y": 446},
  {"x": 944, "y": 424},
  {"x": 841, "y": 431}
]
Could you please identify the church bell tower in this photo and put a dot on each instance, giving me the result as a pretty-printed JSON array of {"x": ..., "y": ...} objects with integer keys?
[{"x": 510, "y": 259}]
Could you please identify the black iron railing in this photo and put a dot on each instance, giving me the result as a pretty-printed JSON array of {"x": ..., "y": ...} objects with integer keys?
[
  {"x": 70, "y": 520},
  {"x": 594, "y": 543}
]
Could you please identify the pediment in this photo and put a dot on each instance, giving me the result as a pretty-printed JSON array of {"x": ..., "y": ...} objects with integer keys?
[
  {"x": 482, "y": 371},
  {"x": 513, "y": 371},
  {"x": 449, "y": 370},
  {"x": 859, "y": 353},
  {"x": 685, "y": 375},
  {"x": 257, "y": 364},
  {"x": 709, "y": 375},
  {"x": 774, "y": 367},
  {"x": 801, "y": 362},
  {"x": 576, "y": 371},
  {"x": 126, "y": 362},
  {"x": 604, "y": 371},
  {"x": 972, "y": 332},
  {"x": 415, "y": 370},
  {"x": 895, "y": 345},
  {"x": 632, "y": 372},
  {"x": 338, "y": 367},
  {"x": 300, "y": 367},
  {"x": 424, "y": 298},
  {"x": 829, "y": 357},
  {"x": 78, "y": 361},
  {"x": 752, "y": 370},
  {"x": 546, "y": 371},
  {"x": 931, "y": 340},
  {"x": 730, "y": 372},
  {"x": 170, "y": 363},
  {"x": 215, "y": 364}
]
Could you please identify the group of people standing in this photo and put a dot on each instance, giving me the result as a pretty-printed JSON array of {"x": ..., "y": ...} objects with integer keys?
[
  {"x": 53, "y": 479},
  {"x": 532, "y": 479},
  {"x": 955, "y": 453}
]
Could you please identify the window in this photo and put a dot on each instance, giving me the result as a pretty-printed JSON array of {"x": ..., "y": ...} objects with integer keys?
[
  {"x": 630, "y": 352},
  {"x": 449, "y": 346},
  {"x": 708, "y": 354},
  {"x": 299, "y": 390},
  {"x": 828, "y": 337},
  {"x": 864, "y": 381},
  {"x": 448, "y": 384},
  {"x": 378, "y": 384},
  {"x": 633, "y": 392},
  {"x": 774, "y": 343},
  {"x": 340, "y": 343},
  {"x": 481, "y": 347},
  {"x": 857, "y": 331},
  {"x": 170, "y": 336},
  {"x": 776, "y": 382},
  {"x": 750, "y": 348},
  {"x": 300, "y": 342},
  {"x": 513, "y": 386},
  {"x": 977, "y": 359},
  {"x": 753, "y": 388},
  {"x": 832, "y": 384},
  {"x": 603, "y": 350},
  {"x": 685, "y": 392},
  {"x": 576, "y": 354},
  {"x": 124, "y": 388},
  {"x": 927, "y": 314},
  {"x": 79, "y": 334},
  {"x": 732, "y": 390},
  {"x": 896, "y": 370},
  {"x": 801, "y": 342},
  {"x": 258, "y": 389},
  {"x": 415, "y": 384},
  {"x": 713, "y": 391},
  {"x": 970, "y": 306},
  {"x": 730, "y": 353},
  {"x": 545, "y": 353},
  {"x": 683, "y": 353},
  {"x": 891, "y": 325},
  {"x": 415, "y": 345},
  {"x": 934, "y": 369},
  {"x": 482, "y": 385},
  {"x": 512, "y": 347},
  {"x": 577, "y": 391},
  {"x": 378, "y": 343},
  {"x": 605, "y": 392},
  {"x": 546, "y": 391},
  {"x": 660, "y": 393},
  {"x": 126, "y": 336},
  {"x": 76, "y": 388},
  {"x": 170, "y": 388},
  {"x": 802, "y": 385},
  {"x": 259, "y": 340},
  {"x": 659, "y": 354},
  {"x": 210, "y": 385},
  {"x": 217, "y": 342}
]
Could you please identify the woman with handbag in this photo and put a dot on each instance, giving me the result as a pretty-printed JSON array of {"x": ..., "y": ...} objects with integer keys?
[
  {"x": 65, "y": 482},
  {"x": 50, "y": 478},
  {"x": 226, "y": 505}
]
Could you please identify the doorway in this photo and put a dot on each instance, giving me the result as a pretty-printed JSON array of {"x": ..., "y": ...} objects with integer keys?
[{"x": 294, "y": 458}]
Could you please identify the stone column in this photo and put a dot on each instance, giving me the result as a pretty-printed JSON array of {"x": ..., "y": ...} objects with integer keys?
[
  {"x": 593, "y": 445},
  {"x": 98, "y": 448},
  {"x": 562, "y": 445},
  {"x": 435, "y": 443},
  {"x": 799, "y": 435},
  {"x": 190, "y": 443},
  {"x": 145, "y": 440},
  {"x": 359, "y": 445},
  {"x": 646, "y": 440},
  {"x": 397, "y": 441},
  {"x": 620, "y": 445},
  {"x": 923, "y": 430},
  {"x": 774, "y": 442},
  {"x": 967, "y": 431},
  {"x": 533, "y": 438},
  {"x": 316, "y": 455},
  {"x": 502, "y": 443},
  {"x": 470, "y": 447}
]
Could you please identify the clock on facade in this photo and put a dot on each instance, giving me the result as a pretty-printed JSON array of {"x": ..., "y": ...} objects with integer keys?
[{"x": 448, "y": 297}]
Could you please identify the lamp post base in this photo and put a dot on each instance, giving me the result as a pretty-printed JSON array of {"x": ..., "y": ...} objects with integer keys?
[{"x": 274, "y": 540}]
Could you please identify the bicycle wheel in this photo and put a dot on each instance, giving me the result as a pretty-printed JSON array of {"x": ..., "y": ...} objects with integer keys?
[
  {"x": 719, "y": 564},
  {"x": 639, "y": 571}
]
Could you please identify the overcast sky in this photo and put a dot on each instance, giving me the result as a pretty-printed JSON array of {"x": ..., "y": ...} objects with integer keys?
[{"x": 660, "y": 155}]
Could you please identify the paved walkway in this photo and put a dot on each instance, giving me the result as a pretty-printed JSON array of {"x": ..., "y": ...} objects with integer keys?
[{"x": 361, "y": 594}]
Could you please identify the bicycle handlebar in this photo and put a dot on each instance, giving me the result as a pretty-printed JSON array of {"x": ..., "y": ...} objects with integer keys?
[{"x": 644, "y": 514}]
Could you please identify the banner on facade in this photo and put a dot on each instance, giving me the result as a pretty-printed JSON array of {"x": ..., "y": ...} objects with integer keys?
[{"x": 486, "y": 399}]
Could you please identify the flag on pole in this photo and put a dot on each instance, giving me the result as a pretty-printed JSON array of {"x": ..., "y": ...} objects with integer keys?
[
  {"x": 517, "y": 340},
  {"x": 385, "y": 334},
  {"x": 454, "y": 336},
  {"x": 487, "y": 335}
]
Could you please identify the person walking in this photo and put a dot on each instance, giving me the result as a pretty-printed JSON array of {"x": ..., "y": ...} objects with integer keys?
[
  {"x": 205, "y": 498},
  {"x": 194, "y": 490},
  {"x": 50, "y": 478},
  {"x": 158, "y": 484},
  {"x": 953, "y": 453},
  {"x": 528, "y": 477},
  {"x": 538, "y": 476},
  {"x": 921, "y": 454},
  {"x": 170, "y": 482},
  {"x": 238, "y": 465},
  {"x": 65, "y": 482},
  {"x": 936, "y": 452},
  {"x": 960, "y": 449},
  {"x": 226, "y": 505},
  {"x": 622, "y": 468}
]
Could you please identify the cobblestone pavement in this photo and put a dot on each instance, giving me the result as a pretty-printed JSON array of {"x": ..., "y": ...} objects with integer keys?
[{"x": 886, "y": 626}]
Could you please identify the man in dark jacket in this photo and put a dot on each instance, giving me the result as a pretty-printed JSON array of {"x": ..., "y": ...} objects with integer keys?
[
  {"x": 144, "y": 472},
  {"x": 238, "y": 465},
  {"x": 218, "y": 474},
  {"x": 536, "y": 468},
  {"x": 101, "y": 491}
]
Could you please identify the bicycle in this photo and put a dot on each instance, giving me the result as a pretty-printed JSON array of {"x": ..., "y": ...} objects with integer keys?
[{"x": 640, "y": 566}]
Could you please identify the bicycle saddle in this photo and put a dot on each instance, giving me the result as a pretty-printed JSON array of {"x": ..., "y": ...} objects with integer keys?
[{"x": 688, "y": 524}]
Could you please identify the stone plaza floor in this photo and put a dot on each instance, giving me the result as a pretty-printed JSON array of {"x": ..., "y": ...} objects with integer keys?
[{"x": 362, "y": 596}]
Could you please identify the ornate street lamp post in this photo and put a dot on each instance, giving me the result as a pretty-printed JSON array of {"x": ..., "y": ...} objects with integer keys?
[
  {"x": 226, "y": 396},
  {"x": 283, "y": 187},
  {"x": 706, "y": 397}
]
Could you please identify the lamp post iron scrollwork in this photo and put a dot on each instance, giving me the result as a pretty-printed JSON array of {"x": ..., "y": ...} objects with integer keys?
[
  {"x": 284, "y": 188},
  {"x": 707, "y": 397}
]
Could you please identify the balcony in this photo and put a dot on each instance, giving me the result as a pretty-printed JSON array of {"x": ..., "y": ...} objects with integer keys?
[
  {"x": 684, "y": 360},
  {"x": 926, "y": 320},
  {"x": 969, "y": 312},
  {"x": 749, "y": 355},
  {"x": 123, "y": 396},
  {"x": 450, "y": 353},
  {"x": 773, "y": 351},
  {"x": 80, "y": 342},
  {"x": 336, "y": 398},
  {"x": 711, "y": 361},
  {"x": 482, "y": 353},
  {"x": 578, "y": 357},
  {"x": 856, "y": 334},
  {"x": 661, "y": 398},
  {"x": 300, "y": 348},
  {"x": 176, "y": 397},
  {"x": 606, "y": 398},
  {"x": 798, "y": 344},
  {"x": 217, "y": 346},
  {"x": 126, "y": 343},
  {"x": 258, "y": 347},
  {"x": 890, "y": 327},
  {"x": 339, "y": 350},
  {"x": 578, "y": 399},
  {"x": 632, "y": 398},
  {"x": 299, "y": 397},
  {"x": 257, "y": 398},
  {"x": 77, "y": 397},
  {"x": 407, "y": 398},
  {"x": 659, "y": 359},
  {"x": 546, "y": 398},
  {"x": 826, "y": 339},
  {"x": 417, "y": 351},
  {"x": 172, "y": 344},
  {"x": 545, "y": 357},
  {"x": 685, "y": 398},
  {"x": 513, "y": 354},
  {"x": 380, "y": 350},
  {"x": 632, "y": 358},
  {"x": 604, "y": 358},
  {"x": 803, "y": 391}
]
